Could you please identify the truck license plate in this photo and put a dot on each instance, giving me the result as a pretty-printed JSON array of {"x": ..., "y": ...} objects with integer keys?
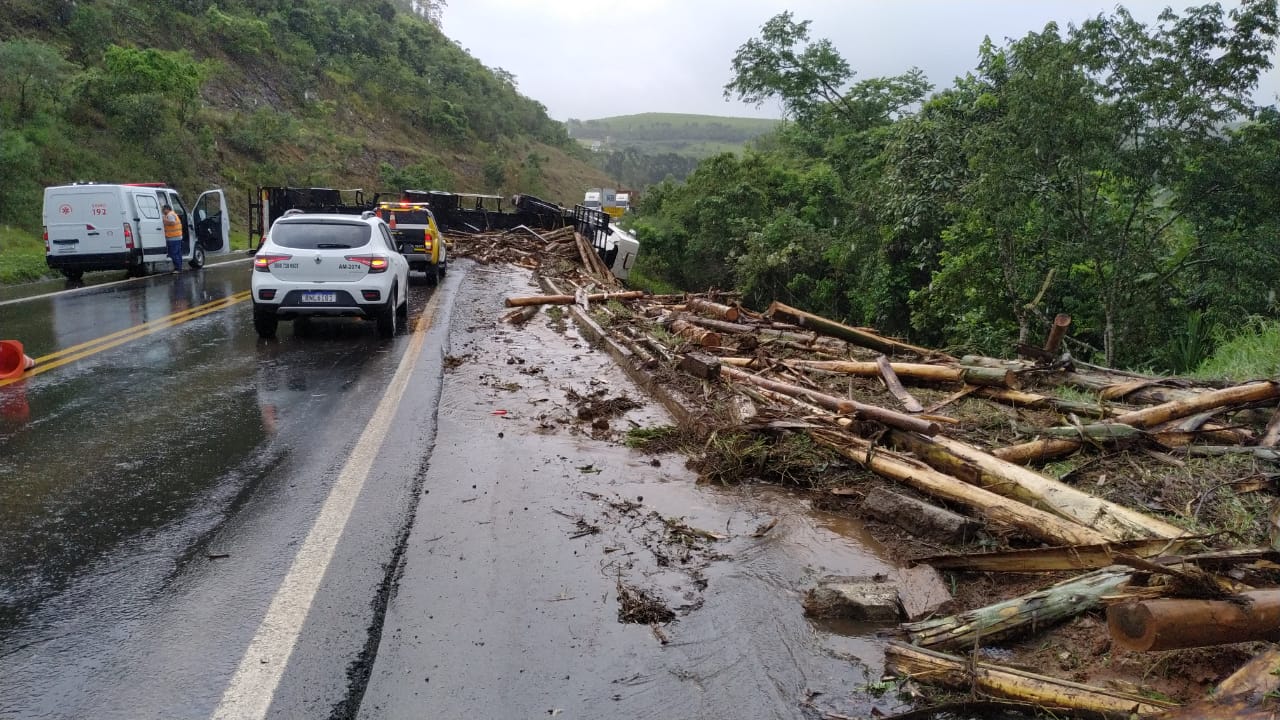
[{"x": 319, "y": 297}]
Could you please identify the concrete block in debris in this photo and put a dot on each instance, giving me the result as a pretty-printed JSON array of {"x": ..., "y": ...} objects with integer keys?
[
  {"x": 923, "y": 592},
  {"x": 867, "y": 599},
  {"x": 701, "y": 365},
  {"x": 918, "y": 517}
]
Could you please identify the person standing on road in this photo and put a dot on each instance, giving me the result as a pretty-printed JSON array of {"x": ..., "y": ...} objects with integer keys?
[{"x": 172, "y": 236}]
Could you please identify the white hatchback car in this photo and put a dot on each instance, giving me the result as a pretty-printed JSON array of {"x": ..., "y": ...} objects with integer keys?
[{"x": 321, "y": 265}]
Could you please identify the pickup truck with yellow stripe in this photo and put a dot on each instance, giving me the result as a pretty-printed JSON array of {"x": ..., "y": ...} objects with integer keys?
[{"x": 417, "y": 236}]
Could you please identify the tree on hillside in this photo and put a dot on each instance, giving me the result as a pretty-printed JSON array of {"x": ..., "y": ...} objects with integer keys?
[{"x": 34, "y": 75}]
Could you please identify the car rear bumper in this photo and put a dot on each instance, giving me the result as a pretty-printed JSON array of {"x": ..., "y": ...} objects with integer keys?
[
  {"x": 345, "y": 304},
  {"x": 91, "y": 261}
]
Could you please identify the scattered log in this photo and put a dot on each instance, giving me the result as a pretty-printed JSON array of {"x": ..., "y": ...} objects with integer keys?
[
  {"x": 1113, "y": 521},
  {"x": 695, "y": 334},
  {"x": 1036, "y": 451},
  {"x": 848, "y": 334},
  {"x": 521, "y": 301},
  {"x": 718, "y": 325},
  {"x": 1054, "y": 559},
  {"x": 701, "y": 365},
  {"x": 1018, "y": 398},
  {"x": 1175, "y": 623},
  {"x": 919, "y": 517},
  {"x": 895, "y": 386},
  {"x": 1034, "y": 523},
  {"x": 1247, "y": 694},
  {"x": 835, "y": 404},
  {"x": 1261, "y": 453},
  {"x": 1006, "y": 619},
  {"x": 521, "y": 315},
  {"x": 966, "y": 675},
  {"x": 994, "y": 377},
  {"x": 714, "y": 309},
  {"x": 1271, "y": 435},
  {"x": 921, "y": 372},
  {"x": 1061, "y": 322}
]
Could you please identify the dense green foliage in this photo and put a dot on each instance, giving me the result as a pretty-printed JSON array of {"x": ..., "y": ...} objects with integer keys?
[
  {"x": 1116, "y": 172},
  {"x": 240, "y": 93}
]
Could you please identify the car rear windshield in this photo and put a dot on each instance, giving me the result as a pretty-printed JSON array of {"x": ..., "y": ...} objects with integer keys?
[{"x": 320, "y": 235}]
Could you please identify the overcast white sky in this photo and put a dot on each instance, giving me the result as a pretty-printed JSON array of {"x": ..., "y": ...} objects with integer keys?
[{"x": 589, "y": 59}]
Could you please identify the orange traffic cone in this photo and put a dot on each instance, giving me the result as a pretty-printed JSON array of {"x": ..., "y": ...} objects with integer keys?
[
  {"x": 13, "y": 361},
  {"x": 393, "y": 221}
]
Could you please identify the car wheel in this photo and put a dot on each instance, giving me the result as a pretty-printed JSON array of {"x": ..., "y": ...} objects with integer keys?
[
  {"x": 402, "y": 315},
  {"x": 433, "y": 274},
  {"x": 444, "y": 267},
  {"x": 197, "y": 257},
  {"x": 386, "y": 317},
  {"x": 265, "y": 322}
]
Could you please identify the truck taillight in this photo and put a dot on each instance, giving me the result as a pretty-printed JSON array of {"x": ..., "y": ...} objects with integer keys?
[
  {"x": 128, "y": 236},
  {"x": 427, "y": 239},
  {"x": 375, "y": 263},
  {"x": 46, "y": 240}
]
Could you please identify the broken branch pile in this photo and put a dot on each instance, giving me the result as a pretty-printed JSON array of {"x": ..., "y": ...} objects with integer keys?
[{"x": 1159, "y": 467}]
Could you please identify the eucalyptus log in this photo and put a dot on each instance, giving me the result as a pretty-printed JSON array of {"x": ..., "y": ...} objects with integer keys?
[
  {"x": 835, "y": 404},
  {"x": 522, "y": 301},
  {"x": 895, "y": 386},
  {"x": 1034, "y": 523},
  {"x": 1247, "y": 694},
  {"x": 994, "y": 377},
  {"x": 521, "y": 315},
  {"x": 835, "y": 329},
  {"x": 1262, "y": 453},
  {"x": 1057, "y": 331},
  {"x": 1053, "y": 559},
  {"x": 1271, "y": 435},
  {"x": 718, "y": 325},
  {"x": 1018, "y": 398},
  {"x": 1174, "y": 623},
  {"x": 918, "y": 517},
  {"x": 966, "y": 675},
  {"x": 714, "y": 309},
  {"x": 695, "y": 334},
  {"x": 920, "y": 372},
  {"x": 1009, "y": 618},
  {"x": 1113, "y": 521}
]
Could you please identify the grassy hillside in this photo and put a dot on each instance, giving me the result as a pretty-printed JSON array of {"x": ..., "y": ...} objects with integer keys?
[
  {"x": 695, "y": 136},
  {"x": 241, "y": 93}
]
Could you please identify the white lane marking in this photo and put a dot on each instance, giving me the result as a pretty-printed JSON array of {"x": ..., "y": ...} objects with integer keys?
[
  {"x": 87, "y": 288},
  {"x": 254, "y": 685}
]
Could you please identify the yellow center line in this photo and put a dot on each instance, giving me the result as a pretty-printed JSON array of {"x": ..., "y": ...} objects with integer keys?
[{"x": 76, "y": 352}]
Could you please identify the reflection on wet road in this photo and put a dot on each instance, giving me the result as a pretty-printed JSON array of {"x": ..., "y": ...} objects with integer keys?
[{"x": 158, "y": 418}]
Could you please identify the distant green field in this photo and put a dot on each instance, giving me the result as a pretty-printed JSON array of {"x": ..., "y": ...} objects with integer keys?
[{"x": 696, "y": 136}]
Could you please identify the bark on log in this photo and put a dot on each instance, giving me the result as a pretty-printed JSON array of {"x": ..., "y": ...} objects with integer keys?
[
  {"x": 714, "y": 309},
  {"x": 1247, "y": 694},
  {"x": 918, "y": 517},
  {"x": 921, "y": 372},
  {"x": 1061, "y": 322},
  {"x": 695, "y": 334},
  {"x": 519, "y": 316},
  {"x": 1054, "y": 559},
  {"x": 1018, "y": 398},
  {"x": 1005, "y": 619},
  {"x": 1113, "y": 521},
  {"x": 835, "y": 404},
  {"x": 895, "y": 386},
  {"x": 846, "y": 333},
  {"x": 1174, "y": 623},
  {"x": 1271, "y": 435},
  {"x": 993, "y": 377},
  {"x": 524, "y": 300},
  {"x": 719, "y": 325},
  {"x": 965, "y": 675},
  {"x": 1036, "y": 451},
  {"x": 591, "y": 259},
  {"x": 1034, "y": 523}
]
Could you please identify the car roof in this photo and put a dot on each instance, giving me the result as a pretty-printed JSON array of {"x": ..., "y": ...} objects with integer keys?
[{"x": 327, "y": 219}]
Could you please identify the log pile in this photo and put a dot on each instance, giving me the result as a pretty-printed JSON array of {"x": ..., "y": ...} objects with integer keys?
[{"x": 1153, "y": 514}]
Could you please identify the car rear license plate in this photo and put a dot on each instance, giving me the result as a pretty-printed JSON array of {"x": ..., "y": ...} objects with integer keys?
[{"x": 319, "y": 297}]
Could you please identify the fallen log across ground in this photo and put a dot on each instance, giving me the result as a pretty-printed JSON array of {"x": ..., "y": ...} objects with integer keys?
[
  {"x": 849, "y": 334},
  {"x": 1055, "y": 559},
  {"x": 1034, "y": 523},
  {"x": 1011, "y": 617},
  {"x": 983, "y": 678},
  {"x": 1171, "y": 623},
  {"x": 523, "y": 300}
]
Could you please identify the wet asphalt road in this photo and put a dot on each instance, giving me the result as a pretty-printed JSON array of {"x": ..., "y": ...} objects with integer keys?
[
  {"x": 153, "y": 497},
  {"x": 157, "y": 499}
]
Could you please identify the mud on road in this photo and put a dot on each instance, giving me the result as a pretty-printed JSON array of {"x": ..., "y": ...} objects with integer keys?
[{"x": 553, "y": 571}]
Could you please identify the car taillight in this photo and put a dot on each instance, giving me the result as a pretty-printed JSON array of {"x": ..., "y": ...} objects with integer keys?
[
  {"x": 375, "y": 263},
  {"x": 426, "y": 239},
  {"x": 128, "y": 236},
  {"x": 262, "y": 263},
  {"x": 46, "y": 240}
]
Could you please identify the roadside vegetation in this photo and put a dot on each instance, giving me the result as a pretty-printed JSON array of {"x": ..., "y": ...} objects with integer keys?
[
  {"x": 241, "y": 93},
  {"x": 1117, "y": 172}
]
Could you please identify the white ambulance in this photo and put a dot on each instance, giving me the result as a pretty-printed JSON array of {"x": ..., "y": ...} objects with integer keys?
[{"x": 92, "y": 226}]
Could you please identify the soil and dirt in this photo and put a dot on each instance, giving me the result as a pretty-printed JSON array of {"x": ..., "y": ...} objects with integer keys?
[{"x": 1224, "y": 499}]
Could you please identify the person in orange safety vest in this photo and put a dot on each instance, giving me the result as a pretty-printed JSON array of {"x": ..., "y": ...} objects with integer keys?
[{"x": 172, "y": 236}]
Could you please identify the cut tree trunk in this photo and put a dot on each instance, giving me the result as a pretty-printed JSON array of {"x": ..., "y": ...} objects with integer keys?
[
  {"x": 1113, "y": 521},
  {"x": 1054, "y": 559},
  {"x": 714, "y": 309},
  {"x": 1011, "y": 617},
  {"x": 1271, "y": 435},
  {"x": 858, "y": 337},
  {"x": 695, "y": 334},
  {"x": 965, "y": 675},
  {"x": 1033, "y": 523},
  {"x": 835, "y": 404},
  {"x": 1058, "y": 331},
  {"x": 918, "y": 517},
  {"x": 521, "y": 301},
  {"x": 920, "y": 372},
  {"x": 1174, "y": 623}
]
